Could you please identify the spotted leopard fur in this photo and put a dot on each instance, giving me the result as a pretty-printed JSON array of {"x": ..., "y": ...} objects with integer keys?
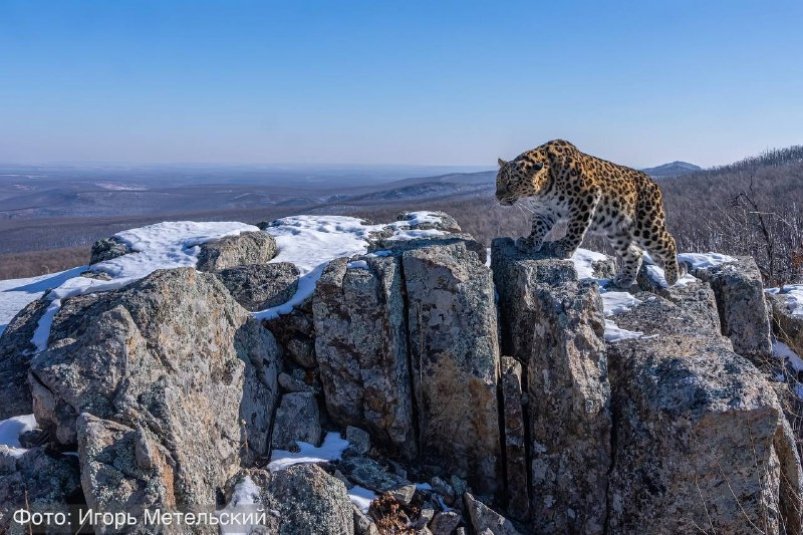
[{"x": 593, "y": 195}]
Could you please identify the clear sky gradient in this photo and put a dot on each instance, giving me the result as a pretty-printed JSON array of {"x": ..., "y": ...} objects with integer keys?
[{"x": 403, "y": 82}]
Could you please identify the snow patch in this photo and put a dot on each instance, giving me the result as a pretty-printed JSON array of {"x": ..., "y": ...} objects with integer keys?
[
  {"x": 246, "y": 494},
  {"x": 614, "y": 303},
  {"x": 784, "y": 352},
  {"x": 583, "y": 260},
  {"x": 793, "y": 296},
  {"x": 358, "y": 264},
  {"x": 12, "y": 428},
  {"x": 613, "y": 333},
  {"x": 160, "y": 246},
  {"x": 422, "y": 217},
  {"x": 15, "y": 294},
  {"x": 704, "y": 260},
  {"x": 361, "y": 497},
  {"x": 331, "y": 450}
]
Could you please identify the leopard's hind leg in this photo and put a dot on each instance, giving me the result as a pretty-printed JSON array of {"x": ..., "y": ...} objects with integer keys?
[
  {"x": 629, "y": 256},
  {"x": 661, "y": 246}
]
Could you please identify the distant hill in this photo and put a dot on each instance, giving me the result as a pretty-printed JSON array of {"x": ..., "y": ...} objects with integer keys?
[{"x": 672, "y": 169}]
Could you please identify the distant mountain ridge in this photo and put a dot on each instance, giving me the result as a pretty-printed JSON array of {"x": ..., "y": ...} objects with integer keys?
[{"x": 671, "y": 169}]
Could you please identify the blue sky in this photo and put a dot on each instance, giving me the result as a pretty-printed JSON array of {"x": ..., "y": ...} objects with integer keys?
[{"x": 435, "y": 82}]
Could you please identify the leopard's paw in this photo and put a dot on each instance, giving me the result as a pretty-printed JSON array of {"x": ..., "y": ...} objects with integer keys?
[{"x": 529, "y": 245}]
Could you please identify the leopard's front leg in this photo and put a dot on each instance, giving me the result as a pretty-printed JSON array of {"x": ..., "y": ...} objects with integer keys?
[
  {"x": 581, "y": 213},
  {"x": 542, "y": 224}
]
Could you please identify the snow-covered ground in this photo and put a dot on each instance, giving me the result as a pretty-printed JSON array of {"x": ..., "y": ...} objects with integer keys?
[
  {"x": 616, "y": 302},
  {"x": 361, "y": 497},
  {"x": 793, "y": 296},
  {"x": 16, "y": 293},
  {"x": 311, "y": 242},
  {"x": 161, "y": 246},
  {"x": 331, "y": 449},
  {"x": 245, "y": 497}
]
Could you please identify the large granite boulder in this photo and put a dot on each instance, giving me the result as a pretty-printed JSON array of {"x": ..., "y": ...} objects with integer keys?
[
  {"x": 700, "y": 437},
  {"x": 742, "y": 306},
  {"x": 171, "y": 358},
  {"x": 454, "y": 352},
  {"x": 555, "y": 327},
  {"x": 308, "y": 501},
  {"x": 36, "y": 480},
  {"x": 260, "y": 286},
  {"x": 361, "y": 347},
  {"x": 16, "y": 351},
  {"x": 244, "y": 249}
]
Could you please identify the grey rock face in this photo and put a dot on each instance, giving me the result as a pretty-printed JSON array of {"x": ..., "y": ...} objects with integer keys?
[
  {"x": 125, "y": 469},
  {"x": 174, "y": 355},
  {"x": 245, "y": 249},
  {"x": 455, "y": 360},
  {"x": 309, "y": 502},
  {"x": 16, "y": 351},
  {"x": 295, "y": 333},
  {"x": 297, "y": 418},
  {"x": 484, "y": 518},
  {"x": 461, "y": 239},
  {"x": 261, "y": 286},
  {"x": 361, "y": 347},
  {"x": 445, "y": 522},
  {"x": 556, "y": 327},
  {"x": 684, "y": 402},
  {"x": 37, "y": 480},
  {"x": 742, "y": 307},
  {"x": 370, "y": 474},
  {"x": 518, "y": 501},
  {"x": 359, "y": 440},
  {"x": 108, "y": 248}
]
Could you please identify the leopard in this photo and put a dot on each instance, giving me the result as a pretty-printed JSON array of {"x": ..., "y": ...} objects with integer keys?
[{"x": 592, "y": 195}]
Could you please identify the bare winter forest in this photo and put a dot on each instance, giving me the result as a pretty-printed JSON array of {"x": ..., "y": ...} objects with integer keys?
[{"x": 752, "y": 207}]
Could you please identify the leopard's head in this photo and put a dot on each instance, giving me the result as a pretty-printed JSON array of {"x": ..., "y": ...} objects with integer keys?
[{"x": 524, "y": 176}]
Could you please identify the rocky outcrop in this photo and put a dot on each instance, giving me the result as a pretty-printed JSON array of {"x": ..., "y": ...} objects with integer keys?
[
  {"x": 742, "y": 307},
  {"x": 170, "y": 358},
  {"x": 108, "y": 248},
  {"x": 683, "y": 402},
  {"x": 361, "y": 347},
  {"x": 624, "y": 412},
  {"x": 245, "y": 249},
  {"x": 261, "y": 286},
  {"x": 16, "y": 351},
  {"x": 556, "y": 329},
  {"x": 454, "y": 353}
]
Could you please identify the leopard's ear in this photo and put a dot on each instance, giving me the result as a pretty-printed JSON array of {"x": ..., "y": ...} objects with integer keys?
[{"x": 501, "y": 162}]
